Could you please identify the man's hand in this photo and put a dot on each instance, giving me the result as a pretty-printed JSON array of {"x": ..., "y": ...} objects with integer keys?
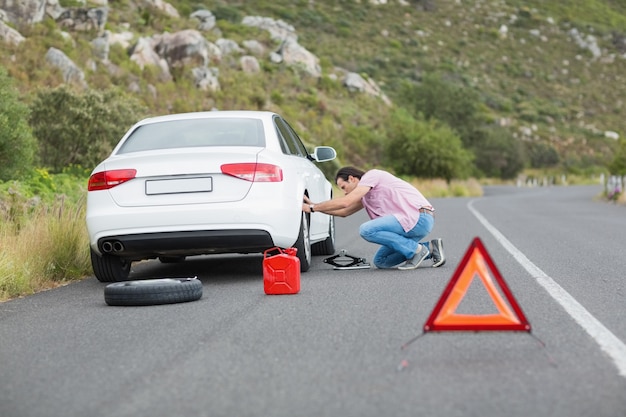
[{"x": 306, "y": 206}]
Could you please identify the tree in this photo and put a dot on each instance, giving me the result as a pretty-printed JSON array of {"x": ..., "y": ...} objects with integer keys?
[
  {"x": 80, "y": 128},
  {"x": 541, "y": 155},
  {"x": 498, "y": 153},
  {"x": 436, "y": 98},
  {"x": 425, "y": 148},
  {"x": 17, "y": 144}
]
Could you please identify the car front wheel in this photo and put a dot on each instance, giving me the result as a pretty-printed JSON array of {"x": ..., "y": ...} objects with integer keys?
[
  {"x": 303, "y": 245},
  {"x": 108, "y": 268}
]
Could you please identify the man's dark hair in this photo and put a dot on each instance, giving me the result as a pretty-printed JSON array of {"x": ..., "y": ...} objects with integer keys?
[{"x": 345, "y": 172}]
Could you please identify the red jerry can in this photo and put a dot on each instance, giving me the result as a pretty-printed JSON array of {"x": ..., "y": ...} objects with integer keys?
[{"x": 281, "y": 271}]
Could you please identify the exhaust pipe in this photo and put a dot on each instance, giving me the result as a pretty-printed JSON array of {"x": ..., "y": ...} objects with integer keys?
[{"x": 109, "y": 246}]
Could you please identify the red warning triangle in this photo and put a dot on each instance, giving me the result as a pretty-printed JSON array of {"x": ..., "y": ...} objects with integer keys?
[{"x": 476, "y": 262}]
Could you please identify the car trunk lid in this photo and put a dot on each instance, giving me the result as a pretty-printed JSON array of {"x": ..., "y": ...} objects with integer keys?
[{"x": 181, "y": 176}]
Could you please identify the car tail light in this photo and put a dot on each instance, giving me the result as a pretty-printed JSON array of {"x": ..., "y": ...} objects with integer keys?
[
  {"x": 254, "y": 172},
  {"x": 104, "y": 180}
]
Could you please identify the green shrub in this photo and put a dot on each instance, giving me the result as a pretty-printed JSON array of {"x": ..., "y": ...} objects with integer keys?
[
  {"x": 43, "y": 214},
  {"x": 277, "y": 97},
  {"x": 425, "y": 148},
  {"x": 453, "y": 104},
  {"x": 227, "y": 13},
  {"x": 498, "y": 154},
  {"x": 541, "y": 155},
  {"x": 17, "y": 144},
  {"x": 21, "y": 199},
  {"x": 80, "y": 128}
]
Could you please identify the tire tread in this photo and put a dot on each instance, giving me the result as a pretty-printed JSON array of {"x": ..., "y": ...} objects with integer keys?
[{"x": 145, "y": 293}]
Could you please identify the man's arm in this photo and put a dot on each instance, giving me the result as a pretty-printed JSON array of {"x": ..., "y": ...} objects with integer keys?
[{"x": 341, "y": 206}]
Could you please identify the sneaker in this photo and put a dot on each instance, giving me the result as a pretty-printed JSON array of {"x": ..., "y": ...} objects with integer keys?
[
  {"x": 436, "y": 250},
  {"x": 421, "y": 254}
]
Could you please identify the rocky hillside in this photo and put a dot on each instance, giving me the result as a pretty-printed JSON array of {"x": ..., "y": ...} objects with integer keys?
[{"x": 549, "y": 72}]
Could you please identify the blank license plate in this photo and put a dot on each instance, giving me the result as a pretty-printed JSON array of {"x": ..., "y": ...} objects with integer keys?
[{"x": 179, "y": 185}]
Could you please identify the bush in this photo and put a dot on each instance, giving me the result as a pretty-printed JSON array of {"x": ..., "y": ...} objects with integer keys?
[
  {"x": 42, "y": 231},
  {"x": 498, "y": 153},
  {"x": 227, "y": 13},
  {"x": 436, "y": 98},
  {"x": 80, "y": 128},
  {"x": 425, "y": 148},
  {"x": 542, "y": 155},
  {"x": 17, "y": 144},
  {"x": 21, "y": 199}
]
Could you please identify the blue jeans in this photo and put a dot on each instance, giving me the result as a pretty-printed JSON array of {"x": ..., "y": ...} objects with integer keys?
[{"x": 397, "y": 245}]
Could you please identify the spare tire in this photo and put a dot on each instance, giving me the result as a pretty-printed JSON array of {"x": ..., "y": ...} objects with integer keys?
[{"x": 153, "y": 291}]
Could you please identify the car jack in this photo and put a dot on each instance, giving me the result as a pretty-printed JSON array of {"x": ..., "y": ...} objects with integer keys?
[{"x": 344, "y": 261}]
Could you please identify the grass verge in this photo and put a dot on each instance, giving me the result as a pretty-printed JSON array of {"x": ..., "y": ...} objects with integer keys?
[{"x": 48, "y": 249}]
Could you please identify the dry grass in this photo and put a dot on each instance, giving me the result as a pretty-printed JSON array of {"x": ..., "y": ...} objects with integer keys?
[
  {"x": 48, "y": 249},
  {"x": 439, "y": 188}
]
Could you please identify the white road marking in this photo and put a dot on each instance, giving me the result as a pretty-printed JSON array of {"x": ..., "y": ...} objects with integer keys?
[{"x": 607, "y": 341}]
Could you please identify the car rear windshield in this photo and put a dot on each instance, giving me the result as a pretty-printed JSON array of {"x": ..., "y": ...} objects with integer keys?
[{"x": 195, "y": 133}]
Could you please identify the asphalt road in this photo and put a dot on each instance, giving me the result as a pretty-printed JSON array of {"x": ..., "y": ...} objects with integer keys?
[{"x": 334, "y": 349}]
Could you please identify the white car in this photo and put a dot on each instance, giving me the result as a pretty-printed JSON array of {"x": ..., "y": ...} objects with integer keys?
[{"x": 206, "y": 183}]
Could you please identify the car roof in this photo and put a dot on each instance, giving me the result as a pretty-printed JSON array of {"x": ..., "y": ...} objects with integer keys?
[{"x": 255, "y": 114}]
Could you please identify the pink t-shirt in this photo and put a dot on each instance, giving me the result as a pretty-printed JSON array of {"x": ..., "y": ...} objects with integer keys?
[{"x": 390, "y": 195}]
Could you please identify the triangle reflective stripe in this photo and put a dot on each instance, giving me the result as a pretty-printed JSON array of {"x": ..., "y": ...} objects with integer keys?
[
  {"x": 476, "y": 262},
  {"x": 476, "y": 265}
]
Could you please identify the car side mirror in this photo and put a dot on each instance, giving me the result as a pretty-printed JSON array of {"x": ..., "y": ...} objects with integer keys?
[{"x": 324, "y": 153}]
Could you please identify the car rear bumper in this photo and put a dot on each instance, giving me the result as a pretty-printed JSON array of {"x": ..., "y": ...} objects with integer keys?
[
  {"x": 187, "y": 243},
  {"x": 195, "y": 229}
]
